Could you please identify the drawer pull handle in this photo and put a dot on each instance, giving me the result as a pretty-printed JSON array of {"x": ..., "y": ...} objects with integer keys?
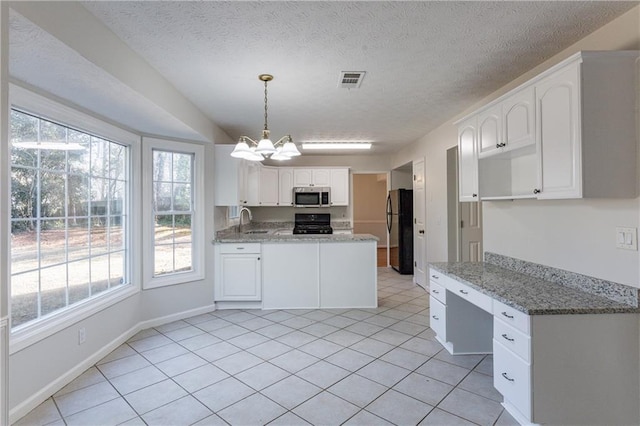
[
  {"x": 463, "y": 292},
  {"x": 239, "y": 248},
  {"x": 508, "y": 378},
  {"x": 435, "y": 317},
  {"x": 507, "y": 315},
  {"x": 435, "y": 291},
  {"x": 507, "y": 338},
  {"x": 435, "y": 277}
]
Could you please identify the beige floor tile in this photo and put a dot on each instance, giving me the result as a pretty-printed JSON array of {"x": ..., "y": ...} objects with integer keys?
[
  {"x": 399, "y": 408},
  {"x": 291, "y": 392},
  {"x": 326, "y": 409},
  {"x": 184, "y": 411}
]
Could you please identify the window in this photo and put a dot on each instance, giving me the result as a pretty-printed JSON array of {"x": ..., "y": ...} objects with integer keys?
[
  {"x": 175, "y": 220},
  {"x": 70, "y": 217}
]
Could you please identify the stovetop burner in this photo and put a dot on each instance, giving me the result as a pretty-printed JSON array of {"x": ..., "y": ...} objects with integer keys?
[{"x": 313, "y": 223}]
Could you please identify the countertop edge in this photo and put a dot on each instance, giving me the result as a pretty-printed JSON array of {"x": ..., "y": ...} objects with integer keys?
[{"x": 261, "y": 238}]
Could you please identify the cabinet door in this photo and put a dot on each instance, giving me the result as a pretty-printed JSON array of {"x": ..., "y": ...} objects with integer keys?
[
  {"x": 558, "y": 132},
  {"x": 490, "y": 130},
  {"x": 339, "y": 187},
  {"x": 468, "y": 161},
  {"x": 239, "y": 277},
  {"x": 321, "y": 177},
  {"x": 226, "y": 176},
  {"x": 518, "y": 113},
  {"x": 302, "y": 177},
  {"x": 285, "y": 183},
  {"x": 252, "y": 184},
  {"x": 269, "y": 186}
]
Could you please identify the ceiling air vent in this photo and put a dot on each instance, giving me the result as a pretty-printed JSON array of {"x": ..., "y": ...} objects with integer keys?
[{"x": 351, "y": 79}]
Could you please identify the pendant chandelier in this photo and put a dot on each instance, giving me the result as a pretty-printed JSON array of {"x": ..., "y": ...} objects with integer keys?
[{"x": 251, "y": 150}]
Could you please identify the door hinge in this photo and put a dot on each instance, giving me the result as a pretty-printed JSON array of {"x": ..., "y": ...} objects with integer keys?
[
  {"x": 415, "y": 264},
  {"x": 415, "y": 220},
  {"x": 414, "y": 177},
  {"x": 462, "y": 224}
]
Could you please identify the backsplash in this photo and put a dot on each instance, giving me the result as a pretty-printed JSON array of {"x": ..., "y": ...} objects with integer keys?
[{"x": 609, "y": 289}]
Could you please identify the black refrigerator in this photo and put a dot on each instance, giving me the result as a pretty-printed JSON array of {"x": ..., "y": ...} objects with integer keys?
[{"x": 400, "y": 227}]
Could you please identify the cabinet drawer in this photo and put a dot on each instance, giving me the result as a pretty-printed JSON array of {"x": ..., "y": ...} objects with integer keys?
[
  {"x": 240, "y": 248},
  {"x": 482, "y": 301},
  {"x": 438, "y": 291},
  {"x": 437, "y": 320},
  {"x": 512, "y": 316},
  {"x": 512, "y": 338},
  {"x": 435, "y": 276},
  {"x": 512, "y": 378}
]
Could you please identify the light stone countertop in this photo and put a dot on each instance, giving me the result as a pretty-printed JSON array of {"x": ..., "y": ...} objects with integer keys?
[
  {"x": 273, "y": 237},
  {"x": 528, "y": 294}
]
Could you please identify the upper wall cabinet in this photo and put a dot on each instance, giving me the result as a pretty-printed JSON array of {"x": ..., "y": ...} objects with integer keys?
[
  {"x": 339, "y": 187},
  {"x": 311, "y": 177},
  {"x": 226, "y": 176},
  {"x": 468, "y": 160},
  {"x": 285, "y": 181},
  {"x": 568, "y": 133}
]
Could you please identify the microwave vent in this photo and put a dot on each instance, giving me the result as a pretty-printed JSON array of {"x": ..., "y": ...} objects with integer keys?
[{"x": 351, "y": 79}]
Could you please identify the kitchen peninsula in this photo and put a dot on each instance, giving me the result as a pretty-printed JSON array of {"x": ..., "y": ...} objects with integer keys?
[{"x": 273, "y": 269}]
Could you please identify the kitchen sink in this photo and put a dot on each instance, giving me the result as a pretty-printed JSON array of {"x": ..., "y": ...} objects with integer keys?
[{"x": 256, "y": 232}]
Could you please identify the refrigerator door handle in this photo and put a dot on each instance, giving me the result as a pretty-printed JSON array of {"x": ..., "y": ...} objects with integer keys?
[{"x": 389, "y": 213}]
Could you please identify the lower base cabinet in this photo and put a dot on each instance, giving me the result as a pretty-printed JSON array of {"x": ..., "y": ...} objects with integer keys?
[
  {"x": 238, "y": 272},
  {"x": 290, "y": 276}
]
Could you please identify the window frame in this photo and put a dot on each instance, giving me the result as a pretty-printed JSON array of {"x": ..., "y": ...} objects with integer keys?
[
  {"x": 47, "y": 108},
  {"x": 198, "y": 221}
]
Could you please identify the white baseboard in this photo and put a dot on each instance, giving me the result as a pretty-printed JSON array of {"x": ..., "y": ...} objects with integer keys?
[{"x": 38, "y": 398}]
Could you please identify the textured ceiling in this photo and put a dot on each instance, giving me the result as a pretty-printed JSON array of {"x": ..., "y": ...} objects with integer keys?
[{"x": 425, "y": 61}]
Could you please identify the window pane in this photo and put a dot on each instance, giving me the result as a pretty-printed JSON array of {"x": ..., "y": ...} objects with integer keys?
[
  {"x": 117, "y": 196},
  {"x": 163, "y": 259},
  {"x": 53, "y": 289},
  {"x": 24, "y": 192},
  {"x": 78, "y": 193},
  {"x": 79, "y": 159},
  {"x": 53, "y": 159},
  {"x": 78, "y": 239},
  {"x": 116, "y": 233},
  {"x": 182, "y": 167},
  {"x": 53, "y": 244},
  {"x": 52, "y": 194},
  {"x": 181, "y": 197},
  {"x": 163, "y": 230},
  {"x": 99, "y": 274},
  {"x": 24, "y": 297},
  {"x": 24, "y": 243},
  {"x": 182, "y": 230},
  {"x": 79, "y": 278},
  {"x": 99, "y": 196},
  {"x": 182, "y": 257},
  {"x": 117, "y": 158},
  {"x": 99, "y": 157},
  {"x": 116, "y": 269},
  {"x": 162, "y": 166},
  {"x": 98, "y": 235},
  {"x": 24, "y": 128},
  {"x": 162, "y": 197},
  {"x": 52, "y": 132}
]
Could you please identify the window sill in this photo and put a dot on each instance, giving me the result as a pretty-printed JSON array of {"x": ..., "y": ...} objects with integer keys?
[
  {"x": 173, "y": 279},
  {"x": 40, "y": 330}
]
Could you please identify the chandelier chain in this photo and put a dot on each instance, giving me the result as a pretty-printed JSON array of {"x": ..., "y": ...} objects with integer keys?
[{"x": 265, "y": 106}]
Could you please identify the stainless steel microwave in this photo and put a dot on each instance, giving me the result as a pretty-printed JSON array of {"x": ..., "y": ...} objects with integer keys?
[{"x": 312, "y": 196}]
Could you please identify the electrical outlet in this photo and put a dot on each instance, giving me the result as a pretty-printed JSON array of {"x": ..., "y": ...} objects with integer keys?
[
  {"x": 82, "y": 335},
  {"x": 627, "y": 238}
]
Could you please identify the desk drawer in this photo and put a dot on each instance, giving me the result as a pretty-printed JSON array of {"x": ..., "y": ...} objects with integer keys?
[
  {"x": 438, "y": 291},
  {"x": 513, "y": 339},
  {"x": 482, "y": 301},
  {"x": 512, "y": 378},
  {"x": 512, "y": 316},
  {"x": 240, "y": 248},
  {"x": 438, "y": 317}
]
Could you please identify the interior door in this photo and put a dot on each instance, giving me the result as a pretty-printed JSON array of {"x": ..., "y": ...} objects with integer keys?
[
  {"x": 419, "y": 217},
  {"x": 471, "y": 232}
]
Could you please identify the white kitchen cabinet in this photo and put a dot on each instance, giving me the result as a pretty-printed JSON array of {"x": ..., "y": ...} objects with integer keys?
[
  {"x": 269, "y": 186},
  {"x": 311, "y": 177},
  {"x": 249, "y": 183},
  {"x": 291, "y": 276},
  {"x": 285, "y": 189},
  {"x": 238, "y": 272},
  {"x": 339, "y": 187},
  {"x": 586, "y": 127},
  {"x": 489, "y": 131},
  {"x": 226, "y": 176},
  {"x": 468, "y": 160}
]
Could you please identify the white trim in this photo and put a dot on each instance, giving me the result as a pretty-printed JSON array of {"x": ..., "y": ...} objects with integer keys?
[
  {"x": 198, "y": 192},
  {"x": 40, "y": 105},
  {"x": 36, "y": 399}
]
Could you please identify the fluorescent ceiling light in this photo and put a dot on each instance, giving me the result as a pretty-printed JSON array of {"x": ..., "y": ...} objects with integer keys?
[{"x": 336, "y": 145}]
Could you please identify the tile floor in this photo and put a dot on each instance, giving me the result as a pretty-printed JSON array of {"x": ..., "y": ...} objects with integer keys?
[{"x": 290, "y": 367}]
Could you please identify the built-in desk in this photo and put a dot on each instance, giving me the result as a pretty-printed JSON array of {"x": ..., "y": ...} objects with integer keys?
[{"x": 560, "y": 355}]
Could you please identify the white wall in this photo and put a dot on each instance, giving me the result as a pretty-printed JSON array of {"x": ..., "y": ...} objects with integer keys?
[{"x": 536, "y": 230}]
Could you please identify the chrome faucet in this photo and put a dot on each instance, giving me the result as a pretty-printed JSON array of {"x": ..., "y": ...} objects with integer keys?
[{"x": 242, "y": 210}]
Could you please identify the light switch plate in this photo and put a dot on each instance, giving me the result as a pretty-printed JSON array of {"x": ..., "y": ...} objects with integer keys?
[{"x": 627, "y": 238}]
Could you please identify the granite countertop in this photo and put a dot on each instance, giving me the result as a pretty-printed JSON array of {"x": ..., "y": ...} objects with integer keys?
[
  {"x": 528, "y": 294},
  {"x": 275, "y": 232}
]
